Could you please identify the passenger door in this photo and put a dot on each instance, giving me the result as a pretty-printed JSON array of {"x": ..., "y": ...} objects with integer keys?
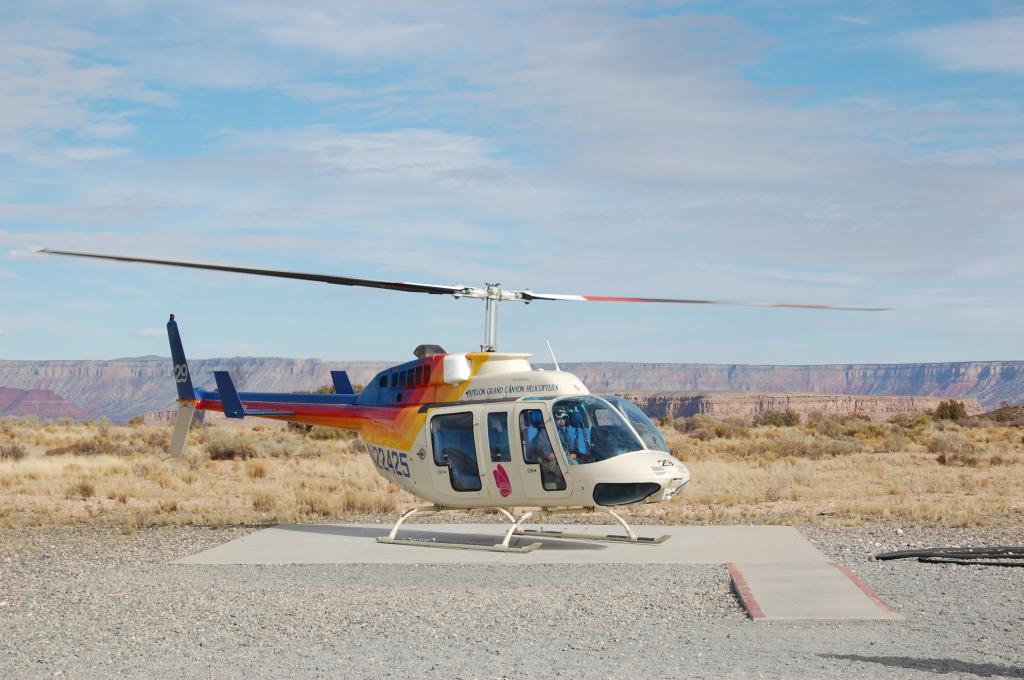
[
  {"x": 502, "y": 478},
  {"x": 544, "y": 473},
  {"x": 454, "y": 452}
]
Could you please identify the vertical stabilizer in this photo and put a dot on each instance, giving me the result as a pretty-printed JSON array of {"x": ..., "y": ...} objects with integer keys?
[
  {"x": 342, "y": 384},
  {"x": 229, "y": 400},
  {"x": 186, "y": 394},
  {"x": 182, "y": 379}
]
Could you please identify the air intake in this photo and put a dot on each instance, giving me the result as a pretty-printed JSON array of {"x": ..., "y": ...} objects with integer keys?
[{"x": 424, "y": 351}]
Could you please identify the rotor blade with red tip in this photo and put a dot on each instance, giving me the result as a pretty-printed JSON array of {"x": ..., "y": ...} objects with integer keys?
[
  {"x": 322, "y": 278},
  {"x": 530, "y": 296}
]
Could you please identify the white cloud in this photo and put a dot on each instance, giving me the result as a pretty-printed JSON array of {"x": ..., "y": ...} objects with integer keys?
[
  {"x": 49, "y": 92},
  {"x": 985, "y": 45},
  {"x": 346, "y": 30},
  {"x": 574, "y": 151},
  {"x": 320, "y": 92},
  {"x": 853, "y": 19}
]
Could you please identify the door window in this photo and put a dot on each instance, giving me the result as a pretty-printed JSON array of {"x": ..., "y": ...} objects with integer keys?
[
  {"x": 497, "y": 437},
  {"x": 537, "y": 449},
  {"x": 452, "y": 439}
]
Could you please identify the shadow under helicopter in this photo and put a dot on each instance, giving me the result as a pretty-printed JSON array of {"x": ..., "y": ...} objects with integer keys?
[
  {"x": 938, "y": 666},
  {"x": 548, "y": 544}
]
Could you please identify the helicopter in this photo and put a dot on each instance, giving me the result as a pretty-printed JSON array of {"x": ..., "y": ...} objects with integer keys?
[{"x": 471, "y": 430}]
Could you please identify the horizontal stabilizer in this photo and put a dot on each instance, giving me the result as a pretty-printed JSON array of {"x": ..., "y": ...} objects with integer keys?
[
  {"x": 342, "y": 385},
  {"x": 232, "y": 403}
]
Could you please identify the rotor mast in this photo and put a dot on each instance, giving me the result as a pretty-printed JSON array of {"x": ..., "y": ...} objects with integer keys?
[{"x": 491, "y": 294}]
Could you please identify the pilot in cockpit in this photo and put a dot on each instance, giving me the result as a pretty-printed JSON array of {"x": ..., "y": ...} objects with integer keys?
[{"x": 573, "y": 436}]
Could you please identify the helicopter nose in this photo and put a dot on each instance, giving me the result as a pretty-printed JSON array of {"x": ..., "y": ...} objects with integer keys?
[{"x": 672, "y": 476}]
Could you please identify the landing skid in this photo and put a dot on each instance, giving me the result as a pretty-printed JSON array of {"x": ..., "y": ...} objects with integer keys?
[
  {"x": 504, "y": 546},
  {"x": 630, "y": 536},
  {"x": 530, "y": 547},
  {"x": 610, "y": 538},
  {"x": 517, "y": 530}
]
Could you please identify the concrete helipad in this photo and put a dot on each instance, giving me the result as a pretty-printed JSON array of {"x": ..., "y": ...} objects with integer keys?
[{"x": 776, "y": 572}]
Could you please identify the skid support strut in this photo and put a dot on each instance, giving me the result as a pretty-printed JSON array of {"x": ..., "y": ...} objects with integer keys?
[
  {"x": 504, "y": 546},
  {"x": 630, "y": 536}
]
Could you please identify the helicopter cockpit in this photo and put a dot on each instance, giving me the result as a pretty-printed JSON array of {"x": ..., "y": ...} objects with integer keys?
[{"x": 591, "y": 430}]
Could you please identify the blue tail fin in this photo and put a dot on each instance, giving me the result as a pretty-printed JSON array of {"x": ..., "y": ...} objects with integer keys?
[
  {"x": 228, "y": 395},
  {"x": 181, "y": 375},
  {"x": 342, "y": 385}
]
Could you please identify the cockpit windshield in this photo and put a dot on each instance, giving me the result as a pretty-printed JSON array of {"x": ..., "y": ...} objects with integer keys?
[
  {"x": 640, "y": 422},
  {"x": 591, "y": 430}
]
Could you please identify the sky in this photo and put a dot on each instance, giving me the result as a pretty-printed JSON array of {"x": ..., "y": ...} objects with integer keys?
[{"x": 853, "y": 153}]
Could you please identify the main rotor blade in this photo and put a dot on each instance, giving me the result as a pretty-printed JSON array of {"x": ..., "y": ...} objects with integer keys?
[
  {"x": 530, "y": 296},
  {"x": 322, "y": 278}
]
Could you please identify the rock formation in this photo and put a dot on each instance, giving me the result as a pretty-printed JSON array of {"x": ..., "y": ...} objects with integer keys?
[
  {"x": 990, "y": 382},
  {"x": 123, "y": 388},
  {"x": 36, "y": 402},
  {"x": 746, "y": 405}
]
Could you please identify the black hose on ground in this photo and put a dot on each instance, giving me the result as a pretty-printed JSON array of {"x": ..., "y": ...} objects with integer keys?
[{"x": 990, "y": 556}]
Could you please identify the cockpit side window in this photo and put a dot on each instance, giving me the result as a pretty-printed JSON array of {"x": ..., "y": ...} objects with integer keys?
[
  {"x": 537, "y": 449},
  {"x": 451, "y": 436},
  {"x": 590, "y": 430}
]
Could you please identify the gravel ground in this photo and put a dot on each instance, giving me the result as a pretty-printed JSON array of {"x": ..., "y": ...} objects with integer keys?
[{"x": 91, "y": 602}]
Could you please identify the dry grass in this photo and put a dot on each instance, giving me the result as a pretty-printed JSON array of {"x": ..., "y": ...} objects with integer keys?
[
  {"x": 256, "y": 469},
  {"x": 122, "y": 476},
  {"x": 849, "y": 471}
]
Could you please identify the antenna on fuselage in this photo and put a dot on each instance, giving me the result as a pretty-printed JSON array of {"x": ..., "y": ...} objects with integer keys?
[{"x": 552, "y": 355}]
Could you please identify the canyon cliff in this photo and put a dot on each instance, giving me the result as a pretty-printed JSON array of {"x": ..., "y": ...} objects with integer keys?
[
  {"x": 123, "y": 388},
  {"x": 747, "y": 405}
]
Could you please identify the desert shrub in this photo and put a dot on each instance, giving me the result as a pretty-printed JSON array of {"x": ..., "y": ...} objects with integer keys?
[
  {"x": 225, "y": 446},
  {"x": 263, "y": 501},
  {"x": 843, "y": 446},
  {"x": 1004, "y": 415},
  {"x": 907, "y": 421},
  {"x": 895, "y": 441},
  {"x": 705, "y": 427},
  {"x": 93, "y": 446},
  {"x": 951, "y": 444},
  {"x": 327, "y": 433},
  {"x": 256, "y": 468},
  {"x": 950, "y": 409},
  {"x": 12, "y": 451},
  {"x": 787, "y": 418},
  {"x": 801, "y": 445},
  {"x": 849, "y": 425},
  {"x": 136, "y": 421},
  {"x": 316, "y": 503},
  {"x": 961, "y": 459},
  {"x": 83, "y": 488}
]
